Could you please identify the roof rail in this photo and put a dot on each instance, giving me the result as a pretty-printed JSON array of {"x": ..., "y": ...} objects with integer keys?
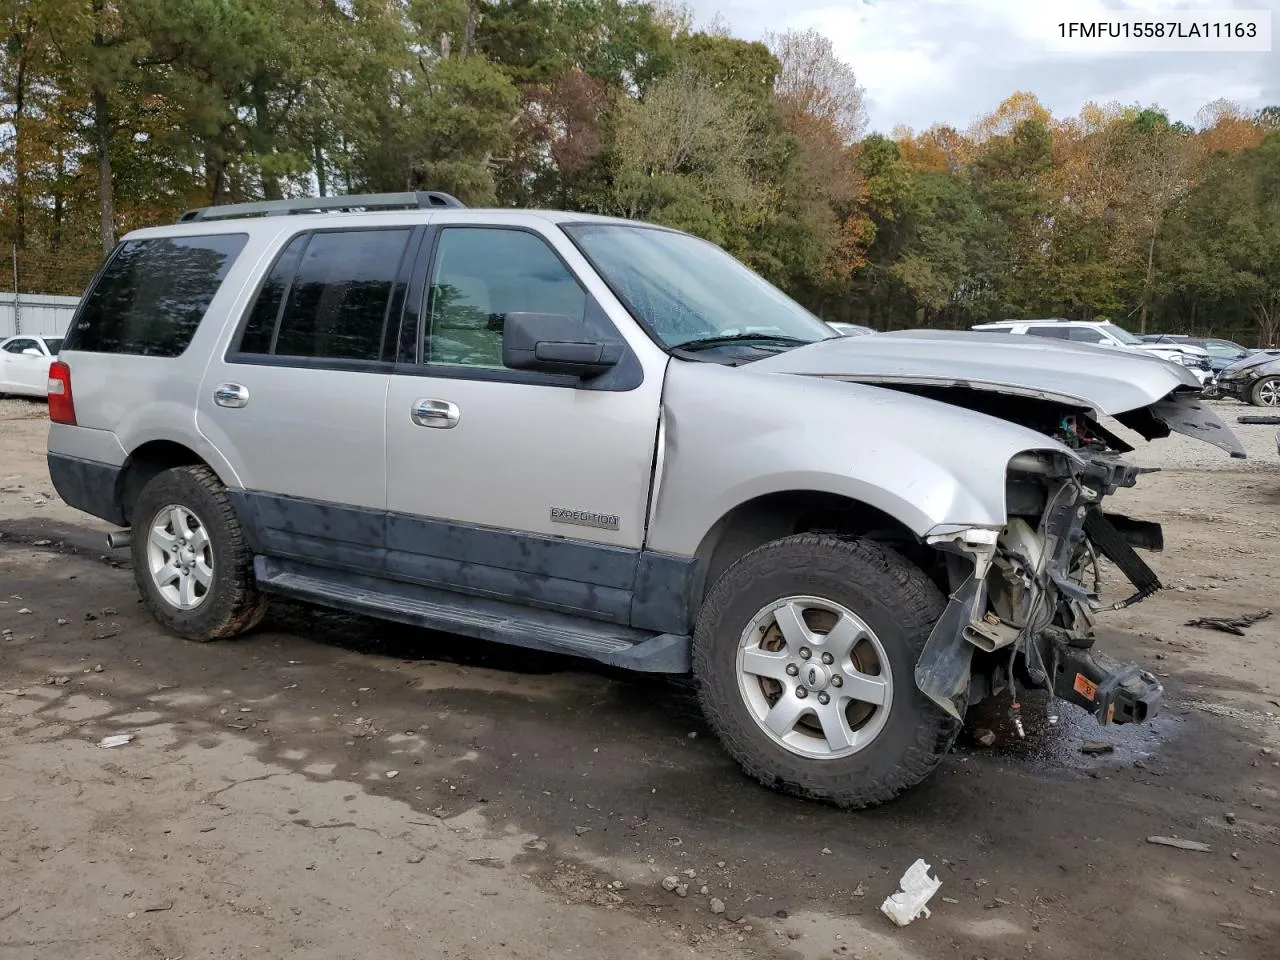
[{"x": 419, "y": 200}]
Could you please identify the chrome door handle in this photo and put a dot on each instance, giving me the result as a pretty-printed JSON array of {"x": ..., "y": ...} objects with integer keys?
[
  {"x": 435, "y": 413},
  {"x": 230, "y": 395}
]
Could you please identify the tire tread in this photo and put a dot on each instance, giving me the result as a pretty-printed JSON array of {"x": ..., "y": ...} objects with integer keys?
[
  {"x": 917, "y": 605},
  {"x": 240, "y": 606}
]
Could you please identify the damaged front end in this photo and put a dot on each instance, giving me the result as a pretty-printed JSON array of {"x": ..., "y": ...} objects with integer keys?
[{"x": 1024, "y": 598}]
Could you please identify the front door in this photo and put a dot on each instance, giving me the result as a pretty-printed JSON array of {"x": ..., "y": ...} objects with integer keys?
[{"x": 507, "y": 483}]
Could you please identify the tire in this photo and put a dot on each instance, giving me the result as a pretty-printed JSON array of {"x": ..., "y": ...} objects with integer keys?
[
  {"x": 219, "y": 597},
  {"x": 903, "y": 740},
  {"x": 1266, "y": 392}
]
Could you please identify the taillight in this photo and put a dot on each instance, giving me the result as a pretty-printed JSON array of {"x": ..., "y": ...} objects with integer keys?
[{"x": 62, "y": 406}]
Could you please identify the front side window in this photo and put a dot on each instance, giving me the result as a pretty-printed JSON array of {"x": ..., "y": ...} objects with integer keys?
[
  {"x": 1085, "y": 335},
  {"x": 480, "y": 275},
  {"x": 152, "y": 295},
  {"x": 1225, "y": 349},
  {"x": 686, "y": 290},
  {"x": 328, "y": 296},
  {"x": 17, "y": 346},
  {"x": 1052, "y": 333}
]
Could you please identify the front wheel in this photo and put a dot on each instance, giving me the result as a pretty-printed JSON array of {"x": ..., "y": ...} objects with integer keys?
[
  {"x": 190, "y": 558},
  {"x": 1266, "y": 392},
  {"x": 805, "y": 654}
]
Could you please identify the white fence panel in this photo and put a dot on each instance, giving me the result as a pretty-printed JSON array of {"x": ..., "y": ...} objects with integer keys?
[{"x": 35, "y": 313}]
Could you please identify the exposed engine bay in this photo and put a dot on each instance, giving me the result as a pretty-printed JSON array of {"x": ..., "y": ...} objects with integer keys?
[{"x": 1024, "y": 601}]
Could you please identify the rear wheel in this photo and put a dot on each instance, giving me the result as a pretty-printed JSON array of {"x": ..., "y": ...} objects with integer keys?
[
  {"x": 1266, "y": 392},
  {"x": 190, "y": 558},
  {"x": 805, "y": 656}
]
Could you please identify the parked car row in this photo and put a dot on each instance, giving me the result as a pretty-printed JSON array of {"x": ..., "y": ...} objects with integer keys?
[{"x": 1104, "y": 334}]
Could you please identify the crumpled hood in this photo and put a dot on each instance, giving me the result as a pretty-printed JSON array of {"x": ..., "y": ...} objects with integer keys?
[
  {"x": 1248, "y": 363},
  {"x": 1109, "y": 381}
]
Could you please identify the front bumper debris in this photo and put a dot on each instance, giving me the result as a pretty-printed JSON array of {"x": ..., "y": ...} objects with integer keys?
[
  {"x": 1023, "y": 619},
  {"x": 1112, "y": 691}
]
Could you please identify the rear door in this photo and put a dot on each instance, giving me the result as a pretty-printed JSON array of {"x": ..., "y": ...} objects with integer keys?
[{"x": 297, "y": 404}]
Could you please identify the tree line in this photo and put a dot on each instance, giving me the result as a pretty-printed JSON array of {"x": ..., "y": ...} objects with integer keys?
[{"x": 123, "y": 113}]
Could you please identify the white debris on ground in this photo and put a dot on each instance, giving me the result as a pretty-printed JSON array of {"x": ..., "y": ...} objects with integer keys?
[{"x": 915, "y": 889}]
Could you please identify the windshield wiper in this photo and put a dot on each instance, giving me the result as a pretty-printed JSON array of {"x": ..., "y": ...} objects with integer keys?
[{"x": 701, "y": 343}]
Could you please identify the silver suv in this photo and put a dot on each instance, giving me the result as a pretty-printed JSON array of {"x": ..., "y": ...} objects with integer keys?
[{"x": 612, "y": 440}]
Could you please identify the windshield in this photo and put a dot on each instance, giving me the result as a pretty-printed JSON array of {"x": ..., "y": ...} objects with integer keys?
[
  {"x": 1120, "y": 333},
  {"x": 685, "y": 289},
  {"x": 54, "y": 344}
]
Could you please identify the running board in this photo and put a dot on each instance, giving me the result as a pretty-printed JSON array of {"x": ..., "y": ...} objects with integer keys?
[{"x": 482, "y": 618}]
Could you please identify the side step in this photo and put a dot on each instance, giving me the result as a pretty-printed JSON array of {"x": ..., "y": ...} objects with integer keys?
[{"x": 478, "y": 617}]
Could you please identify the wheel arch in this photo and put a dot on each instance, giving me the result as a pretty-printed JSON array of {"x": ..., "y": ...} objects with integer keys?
[
  {"x": 772, "y": 516},
  {"x": 145, "y": 462}
]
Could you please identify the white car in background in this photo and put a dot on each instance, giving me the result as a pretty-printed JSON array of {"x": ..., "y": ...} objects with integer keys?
[
  {"x": 24, "y": 364},
  {"x": 1103, "y": 334}
]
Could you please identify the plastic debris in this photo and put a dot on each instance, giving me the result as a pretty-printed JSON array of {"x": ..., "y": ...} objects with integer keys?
[
  {"x": 1234, "y": 625},
  {"x": 915, "y": 889},
  {"x": 116, "y": 740},
  {"x": 1180, "y": 844}
]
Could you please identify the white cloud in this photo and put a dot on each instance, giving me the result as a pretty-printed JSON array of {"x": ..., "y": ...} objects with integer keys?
[{"x": 950, "y": 61}]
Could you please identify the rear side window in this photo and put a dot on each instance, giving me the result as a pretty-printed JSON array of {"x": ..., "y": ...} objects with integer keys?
[
  {"x": 152, "y": 295},
  {"x": 328, "y": 296}
]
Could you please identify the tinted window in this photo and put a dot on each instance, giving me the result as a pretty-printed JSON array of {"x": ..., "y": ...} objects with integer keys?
[
  {"x": 1085, "y": 335},
  {"x": 54, "y": 344},
  {"x": 480, "y": 276},
  {"x": 337, "y": 304},
  {"x": 261, "y": 326},
  {"x": 1054, "y": 333},
  {"x": 152, "y": 295}
]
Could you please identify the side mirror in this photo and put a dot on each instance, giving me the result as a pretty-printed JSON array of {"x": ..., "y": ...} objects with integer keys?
[
  {"x": 32, "y": 352},
  {"x": 552, "y": 343}
]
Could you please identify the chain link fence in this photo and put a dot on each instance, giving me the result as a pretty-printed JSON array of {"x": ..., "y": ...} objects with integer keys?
[{"x": 39, "y": 289}]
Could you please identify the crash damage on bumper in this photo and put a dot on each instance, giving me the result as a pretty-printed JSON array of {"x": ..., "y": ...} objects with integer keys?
[
  {"x": 1024, "y": 594},
  {"x": 1024, "y": 598}
]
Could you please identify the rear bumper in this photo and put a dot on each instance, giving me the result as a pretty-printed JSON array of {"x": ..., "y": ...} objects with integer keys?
[{"x": 88, "y": 485}]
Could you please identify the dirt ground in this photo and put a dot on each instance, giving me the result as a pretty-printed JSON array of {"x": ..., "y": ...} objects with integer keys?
[{"x": 331, "y": 787}]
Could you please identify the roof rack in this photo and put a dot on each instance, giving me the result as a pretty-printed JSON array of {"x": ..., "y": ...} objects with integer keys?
[{"x": 418, "y": 200}]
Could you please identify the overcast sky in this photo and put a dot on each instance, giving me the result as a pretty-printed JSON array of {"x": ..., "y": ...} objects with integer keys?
[{"x": 949, "y": 61}]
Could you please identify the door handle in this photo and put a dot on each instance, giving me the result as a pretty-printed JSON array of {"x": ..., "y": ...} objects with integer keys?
[
  {"x": 230, "y": 395},
  {"x": 435, "y": 413}
]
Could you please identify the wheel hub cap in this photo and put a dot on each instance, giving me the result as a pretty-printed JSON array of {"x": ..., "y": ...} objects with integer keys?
[
  {"x": 180, "y": 557},
  {"x": 814, "y": 677}
]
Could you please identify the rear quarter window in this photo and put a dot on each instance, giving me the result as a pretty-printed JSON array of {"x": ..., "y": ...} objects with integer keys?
[{"x": 152, "y": 294}]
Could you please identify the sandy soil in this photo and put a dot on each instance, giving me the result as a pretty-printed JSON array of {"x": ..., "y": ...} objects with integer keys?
[{"x": 334, "y": 787}]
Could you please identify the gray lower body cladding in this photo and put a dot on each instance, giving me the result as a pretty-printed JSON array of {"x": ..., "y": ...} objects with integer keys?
[
  {"x": 88, "y": 485},
  {"x": 537, "y": 585}
]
